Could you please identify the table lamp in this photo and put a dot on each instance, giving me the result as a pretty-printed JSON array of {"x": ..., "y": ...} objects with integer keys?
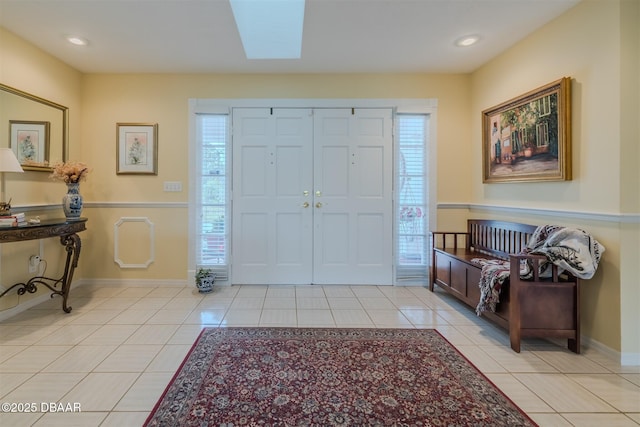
[{"x": 8, "y": 163}]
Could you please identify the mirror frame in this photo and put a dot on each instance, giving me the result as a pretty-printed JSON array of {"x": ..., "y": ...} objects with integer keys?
[{"x": 65, "y": 123}]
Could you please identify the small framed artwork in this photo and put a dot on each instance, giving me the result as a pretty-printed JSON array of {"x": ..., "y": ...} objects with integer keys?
[
  {"x": 137, "y": 148},
  {"x": 528, "y": 138},
  {"x": 29, "y": 141}
]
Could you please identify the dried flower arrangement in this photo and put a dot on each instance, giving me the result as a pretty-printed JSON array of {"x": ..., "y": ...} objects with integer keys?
[{"x": 70, "y": 172}]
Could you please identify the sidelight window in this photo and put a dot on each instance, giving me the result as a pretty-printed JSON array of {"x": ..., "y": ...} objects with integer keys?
[
  {"x": 213, "y": 209},
  {"x": 411, "y": 213}
]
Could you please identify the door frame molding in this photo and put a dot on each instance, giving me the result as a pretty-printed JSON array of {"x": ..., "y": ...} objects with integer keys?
[
  {"x": 402, "y": 105},
  {"x": 226, "y": 105}
]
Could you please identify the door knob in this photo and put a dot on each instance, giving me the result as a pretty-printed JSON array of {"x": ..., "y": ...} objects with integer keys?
[
  {"x": 318, "y": 205},
  {"x": 305, "y": 205}
]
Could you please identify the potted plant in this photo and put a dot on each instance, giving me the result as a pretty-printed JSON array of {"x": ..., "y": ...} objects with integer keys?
[{"x": 204, "y": 280}]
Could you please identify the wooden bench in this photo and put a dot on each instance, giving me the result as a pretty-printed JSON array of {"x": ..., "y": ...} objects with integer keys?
[{"x": 543, "y": 308}]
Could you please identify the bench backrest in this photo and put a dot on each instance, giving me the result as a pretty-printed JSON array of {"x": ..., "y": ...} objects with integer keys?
[{"x": 498, "y": 238}]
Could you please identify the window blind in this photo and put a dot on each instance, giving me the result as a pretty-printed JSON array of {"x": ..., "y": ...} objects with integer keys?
[
  {"x": 411, "y": 216},
  {"x": 213, "y": 194}
]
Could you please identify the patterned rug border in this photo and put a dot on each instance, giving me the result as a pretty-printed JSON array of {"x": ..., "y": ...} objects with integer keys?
[{"x": 294, "y": 332}]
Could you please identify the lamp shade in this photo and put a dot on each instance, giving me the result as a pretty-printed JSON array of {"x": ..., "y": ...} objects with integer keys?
[{"x": 8, "y": 161}]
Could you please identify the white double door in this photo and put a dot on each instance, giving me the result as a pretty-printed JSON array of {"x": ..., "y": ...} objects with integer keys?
[{"x": 312, "y": 196}]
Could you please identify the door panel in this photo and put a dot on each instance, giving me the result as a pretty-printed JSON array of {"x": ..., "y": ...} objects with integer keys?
[
  {"x": 291, "y": 170},
  {"x": 370, "y": 239},
  {"x": 353, "y": 186},
  {"x": 335, "y": 251},
  {"x": 333, "y": 180},
  {"x": 289, "y": 246},
  {"x": 370, "y": 182},
  {"x": 272, "y": 170},
  {"x": 312, "y": 196},
  {"x": 253, "y": 234},
  {"x": 254, "y": 171}
]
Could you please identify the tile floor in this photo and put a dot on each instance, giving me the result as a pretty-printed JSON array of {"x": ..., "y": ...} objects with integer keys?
[{"x": 114, "y": 354}]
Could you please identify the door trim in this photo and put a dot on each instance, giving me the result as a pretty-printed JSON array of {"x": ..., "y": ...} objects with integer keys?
[{"x": 225, "y": 105}]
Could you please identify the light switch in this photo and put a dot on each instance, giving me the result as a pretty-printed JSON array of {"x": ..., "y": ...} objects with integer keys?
[{"x": 175, "y": 186}]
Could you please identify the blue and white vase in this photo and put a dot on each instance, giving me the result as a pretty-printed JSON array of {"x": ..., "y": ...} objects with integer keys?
[{"x": 72, "y": 201}]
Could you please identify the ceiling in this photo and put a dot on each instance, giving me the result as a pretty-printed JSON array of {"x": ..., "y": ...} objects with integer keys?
[{"x": 339, "y": 36}]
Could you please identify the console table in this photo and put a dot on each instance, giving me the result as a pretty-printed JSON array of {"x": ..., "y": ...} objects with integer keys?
[{"x": 67, "y": 231}]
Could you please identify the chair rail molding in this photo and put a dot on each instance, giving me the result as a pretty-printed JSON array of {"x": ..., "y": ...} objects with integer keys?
[
  {"x": 151, "y": 205},
  {"x": 627, "y": 218}
]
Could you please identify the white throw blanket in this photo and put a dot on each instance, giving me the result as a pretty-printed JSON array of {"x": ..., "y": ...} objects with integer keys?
[{"x": 571, "y": 249}]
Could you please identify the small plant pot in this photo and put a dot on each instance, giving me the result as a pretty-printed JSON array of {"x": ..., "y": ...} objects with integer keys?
[{"x": 204, "y": 282}]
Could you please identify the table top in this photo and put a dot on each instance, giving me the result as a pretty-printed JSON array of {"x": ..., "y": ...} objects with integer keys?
[{"x": 46, "y": 228}]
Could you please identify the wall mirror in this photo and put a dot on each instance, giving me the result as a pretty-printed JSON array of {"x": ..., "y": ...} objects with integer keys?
[{"x": 34, "y": 128}]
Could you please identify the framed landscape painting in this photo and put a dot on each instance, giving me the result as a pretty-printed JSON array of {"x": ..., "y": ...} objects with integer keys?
[{"x": 528, "y": 138}]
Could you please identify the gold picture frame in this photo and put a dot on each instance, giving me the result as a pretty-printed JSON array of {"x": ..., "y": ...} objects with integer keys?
[
  {"x": 528, "y": 138},
  {"x": 137, "y": 148}
]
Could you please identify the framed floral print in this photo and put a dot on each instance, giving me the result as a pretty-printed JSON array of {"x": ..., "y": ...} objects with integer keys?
[
  {"x": 528, "y": 138},
  {"x": 137, "y": 148},
  {"x": 29, "y": 141}
]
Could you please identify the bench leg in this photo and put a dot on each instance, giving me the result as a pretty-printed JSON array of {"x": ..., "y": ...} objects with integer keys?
[
  {"x": 515, "y": 340},
  {"x": 574, "y": 345},
  {"x": 515, "y": 334}
]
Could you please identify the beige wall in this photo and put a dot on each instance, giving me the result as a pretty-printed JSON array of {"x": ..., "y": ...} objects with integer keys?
[
  {"x": 163, "y": 99},
  {"x": 108, "y": 99},
  {"x": 630, "y": 172},
  {"x": 596, "y": 44},
  {"x": 27, "y": 68},
  {"x": 589, "y": 44}
]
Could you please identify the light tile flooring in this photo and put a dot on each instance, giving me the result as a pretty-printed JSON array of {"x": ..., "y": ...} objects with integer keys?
[{"x": 114, "y": 354}]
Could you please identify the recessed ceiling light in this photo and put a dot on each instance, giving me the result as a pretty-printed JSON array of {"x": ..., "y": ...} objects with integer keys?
[
  {"x": 78, "y": 41},
  {"x": 465, "y": 41}
]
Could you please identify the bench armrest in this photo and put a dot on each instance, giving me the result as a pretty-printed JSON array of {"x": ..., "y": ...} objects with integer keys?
[
  {"x": 440, "y": 239},
  {"x": 534, "y": 262}
]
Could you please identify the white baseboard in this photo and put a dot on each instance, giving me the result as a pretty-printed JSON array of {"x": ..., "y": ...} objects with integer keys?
[
  {"x": 10, "y": 312},
  {"x": 135, "y": 282},
  {"x": 625, "y": 359},
  {"x": 630, "y": 359}
]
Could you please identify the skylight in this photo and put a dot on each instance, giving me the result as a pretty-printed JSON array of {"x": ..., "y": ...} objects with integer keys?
[{"x": 270, "y": 29}]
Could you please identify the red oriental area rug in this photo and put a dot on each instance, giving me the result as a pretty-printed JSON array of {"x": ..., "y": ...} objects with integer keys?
[{"x": 323, "y": 377}]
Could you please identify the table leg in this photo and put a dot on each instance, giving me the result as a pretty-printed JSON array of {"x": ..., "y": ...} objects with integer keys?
[{"x": 72, "y": 245}]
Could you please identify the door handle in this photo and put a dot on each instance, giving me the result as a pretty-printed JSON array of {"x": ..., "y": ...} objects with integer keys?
[
  {"x": 305, "y": 205},
  {"x": 318, "y": 205}
]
